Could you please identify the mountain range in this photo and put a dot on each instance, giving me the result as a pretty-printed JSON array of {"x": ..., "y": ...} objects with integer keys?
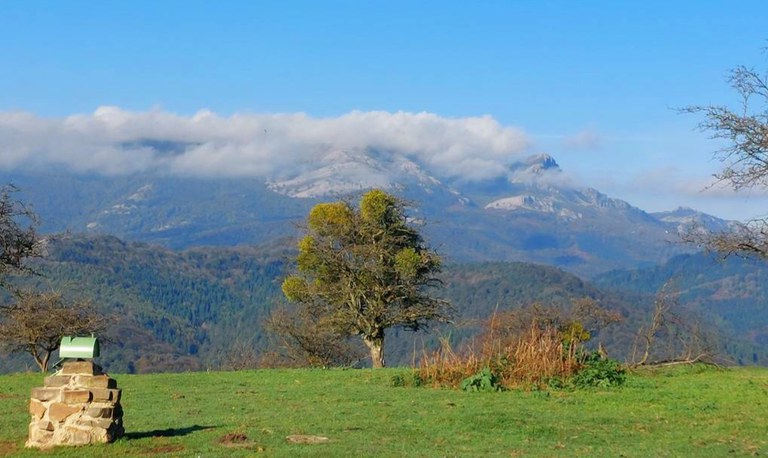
[
  {"x": 532, "y": 213},
  {"x": 191, "y": 264}
]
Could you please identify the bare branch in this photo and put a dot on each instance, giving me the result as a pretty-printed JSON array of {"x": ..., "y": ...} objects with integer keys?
[
  {"x": 36, "y": 323},
  {"x": 744, "y": 158},
  {"x": 748, "y": 239},
  {"x": 19, "y": 240}
]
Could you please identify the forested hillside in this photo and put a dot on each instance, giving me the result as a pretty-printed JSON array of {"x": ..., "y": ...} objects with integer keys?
[
  {"x": 730, "y": 293},
  {"x": 172, "y": 310},
  {"x": 200, "y": 308}
]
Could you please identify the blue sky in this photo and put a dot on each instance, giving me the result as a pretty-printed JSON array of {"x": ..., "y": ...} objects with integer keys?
[{"x": 594, "y": 83}]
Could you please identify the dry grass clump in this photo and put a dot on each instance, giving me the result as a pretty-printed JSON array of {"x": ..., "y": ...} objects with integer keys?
[
  {"x": 536, "y": 357},
  {"x": 444, "y": 367},
  {"x": 539, "y": 355},
  {"x": 526, "y": 347}
]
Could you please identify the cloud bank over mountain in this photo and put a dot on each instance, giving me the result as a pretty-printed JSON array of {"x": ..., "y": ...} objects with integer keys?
[{"x": 115, "y": 141}]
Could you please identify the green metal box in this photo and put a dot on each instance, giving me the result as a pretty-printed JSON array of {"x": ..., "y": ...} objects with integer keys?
[{"x": 79, "y": 347}]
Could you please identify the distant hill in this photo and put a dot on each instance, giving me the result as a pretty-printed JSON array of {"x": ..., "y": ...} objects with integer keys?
[
  {"x": 188, "y": 310},
  {"x": 181, "y": 310},
  {"x": 732, "y": 293},
  {"x": 173, "y": 310}
]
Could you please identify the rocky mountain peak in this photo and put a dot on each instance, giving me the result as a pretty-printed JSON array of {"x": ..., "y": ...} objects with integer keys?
[
  {"x": 541, "y": 162},
  {"x": 686, "y": 218}
]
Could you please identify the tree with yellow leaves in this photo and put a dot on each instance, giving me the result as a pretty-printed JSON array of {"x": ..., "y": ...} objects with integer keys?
[{"x": 364, "y": 270}]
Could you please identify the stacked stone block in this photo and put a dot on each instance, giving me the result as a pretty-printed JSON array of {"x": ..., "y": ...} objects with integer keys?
[{"x": 78, "y": 405}]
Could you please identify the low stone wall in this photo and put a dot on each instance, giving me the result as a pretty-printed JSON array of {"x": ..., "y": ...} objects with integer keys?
[{"x": 78, "y": 405}]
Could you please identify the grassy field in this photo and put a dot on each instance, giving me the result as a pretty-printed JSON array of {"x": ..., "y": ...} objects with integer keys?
[{"x": 686, "y": 411}]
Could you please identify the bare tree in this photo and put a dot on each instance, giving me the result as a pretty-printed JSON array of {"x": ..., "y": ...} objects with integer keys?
[
  {"x": 303, "y": 340},
  {"x": 18, "y": 234},
  {"x": 240, "y": 355},
  {"x": 672, "y": 336},
  {"x": 36, "y": 322},
  {"x": 744, "y": 131},
  {"x": 647, "y": 335}
]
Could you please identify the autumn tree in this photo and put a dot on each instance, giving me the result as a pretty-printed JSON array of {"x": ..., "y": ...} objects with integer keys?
[
  {"x": 36, "y": 322},
  {"x": 744, "y": 131},
  {"x": 364, "y": 270}
]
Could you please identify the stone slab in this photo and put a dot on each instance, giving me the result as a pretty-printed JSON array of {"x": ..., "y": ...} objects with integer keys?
[
  {"x": 57, "y": 380},
  {"x": 100, "y": 435},
  {"x": 73, "y": 435},
  {"x": 46, "y": 394},
  {"x": 76, "y": 396},
  {"x": 36, "y": 409},
  {"x": 99, "y": 412},
  {"x": 45, "y": 425},
  {"x": 96, "y": 381},
  {"x": 106, "y": 395},
  {"x": 80, "y": 367},
  {"x": 59, "y": 412},
  {"x": 104, "y": 423},
  {"x": 38, "y": 437}
]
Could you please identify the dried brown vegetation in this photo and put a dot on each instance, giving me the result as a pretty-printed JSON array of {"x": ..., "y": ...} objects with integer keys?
[{"x": 525, "y": 347}]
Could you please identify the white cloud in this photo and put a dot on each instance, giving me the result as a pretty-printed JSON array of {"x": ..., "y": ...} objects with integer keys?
[
  {"x": 114, "y": 141},
  {"x": 586, "y": 140},
  {"x": 673, "y": 180},
  {"x": 668, "y": 187}
]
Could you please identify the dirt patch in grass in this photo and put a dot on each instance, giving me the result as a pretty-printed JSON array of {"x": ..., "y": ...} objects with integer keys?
[
  {"x": 233, "y": 438},
  {"x": 304, "y": 439},
  {"x": 165, "y": 448},
  {"x": 162, "y": 446},
  {"x": 238, "y": 440},
  {"x": 8, "y": 396},
  {"x": 8, "y": 448}
]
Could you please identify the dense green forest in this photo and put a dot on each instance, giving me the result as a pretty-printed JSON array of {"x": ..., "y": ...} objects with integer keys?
[{"x": 204, "y": 307}]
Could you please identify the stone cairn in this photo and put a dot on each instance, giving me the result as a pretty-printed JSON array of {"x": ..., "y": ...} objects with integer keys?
[{"x": 78, "y": 405}]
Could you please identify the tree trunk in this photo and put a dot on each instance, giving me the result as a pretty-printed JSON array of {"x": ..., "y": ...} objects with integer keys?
[
  {"x": 40, "y": 359},
  {"x": 376, "y": 346},
  {"x": 46, "y": 360}
]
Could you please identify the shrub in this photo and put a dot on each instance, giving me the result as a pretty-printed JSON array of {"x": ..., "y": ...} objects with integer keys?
[
  {"x": 533, "y": 348},
  {"x": 540, "y": 355},
  {"x": 410, "y": 379},
  {"x": 597, "y": 371},
  {"x": 484, "y": 381}
]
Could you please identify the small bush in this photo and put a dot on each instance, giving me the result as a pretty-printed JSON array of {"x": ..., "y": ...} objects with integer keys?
[
  {"x": 599, "y": 372},
  {"x": 411, "y": 379},
  {"x": 484, "y": 381}
]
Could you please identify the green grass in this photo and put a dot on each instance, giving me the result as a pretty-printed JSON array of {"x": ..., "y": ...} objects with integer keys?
[{"x": 686, "y": 411}]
